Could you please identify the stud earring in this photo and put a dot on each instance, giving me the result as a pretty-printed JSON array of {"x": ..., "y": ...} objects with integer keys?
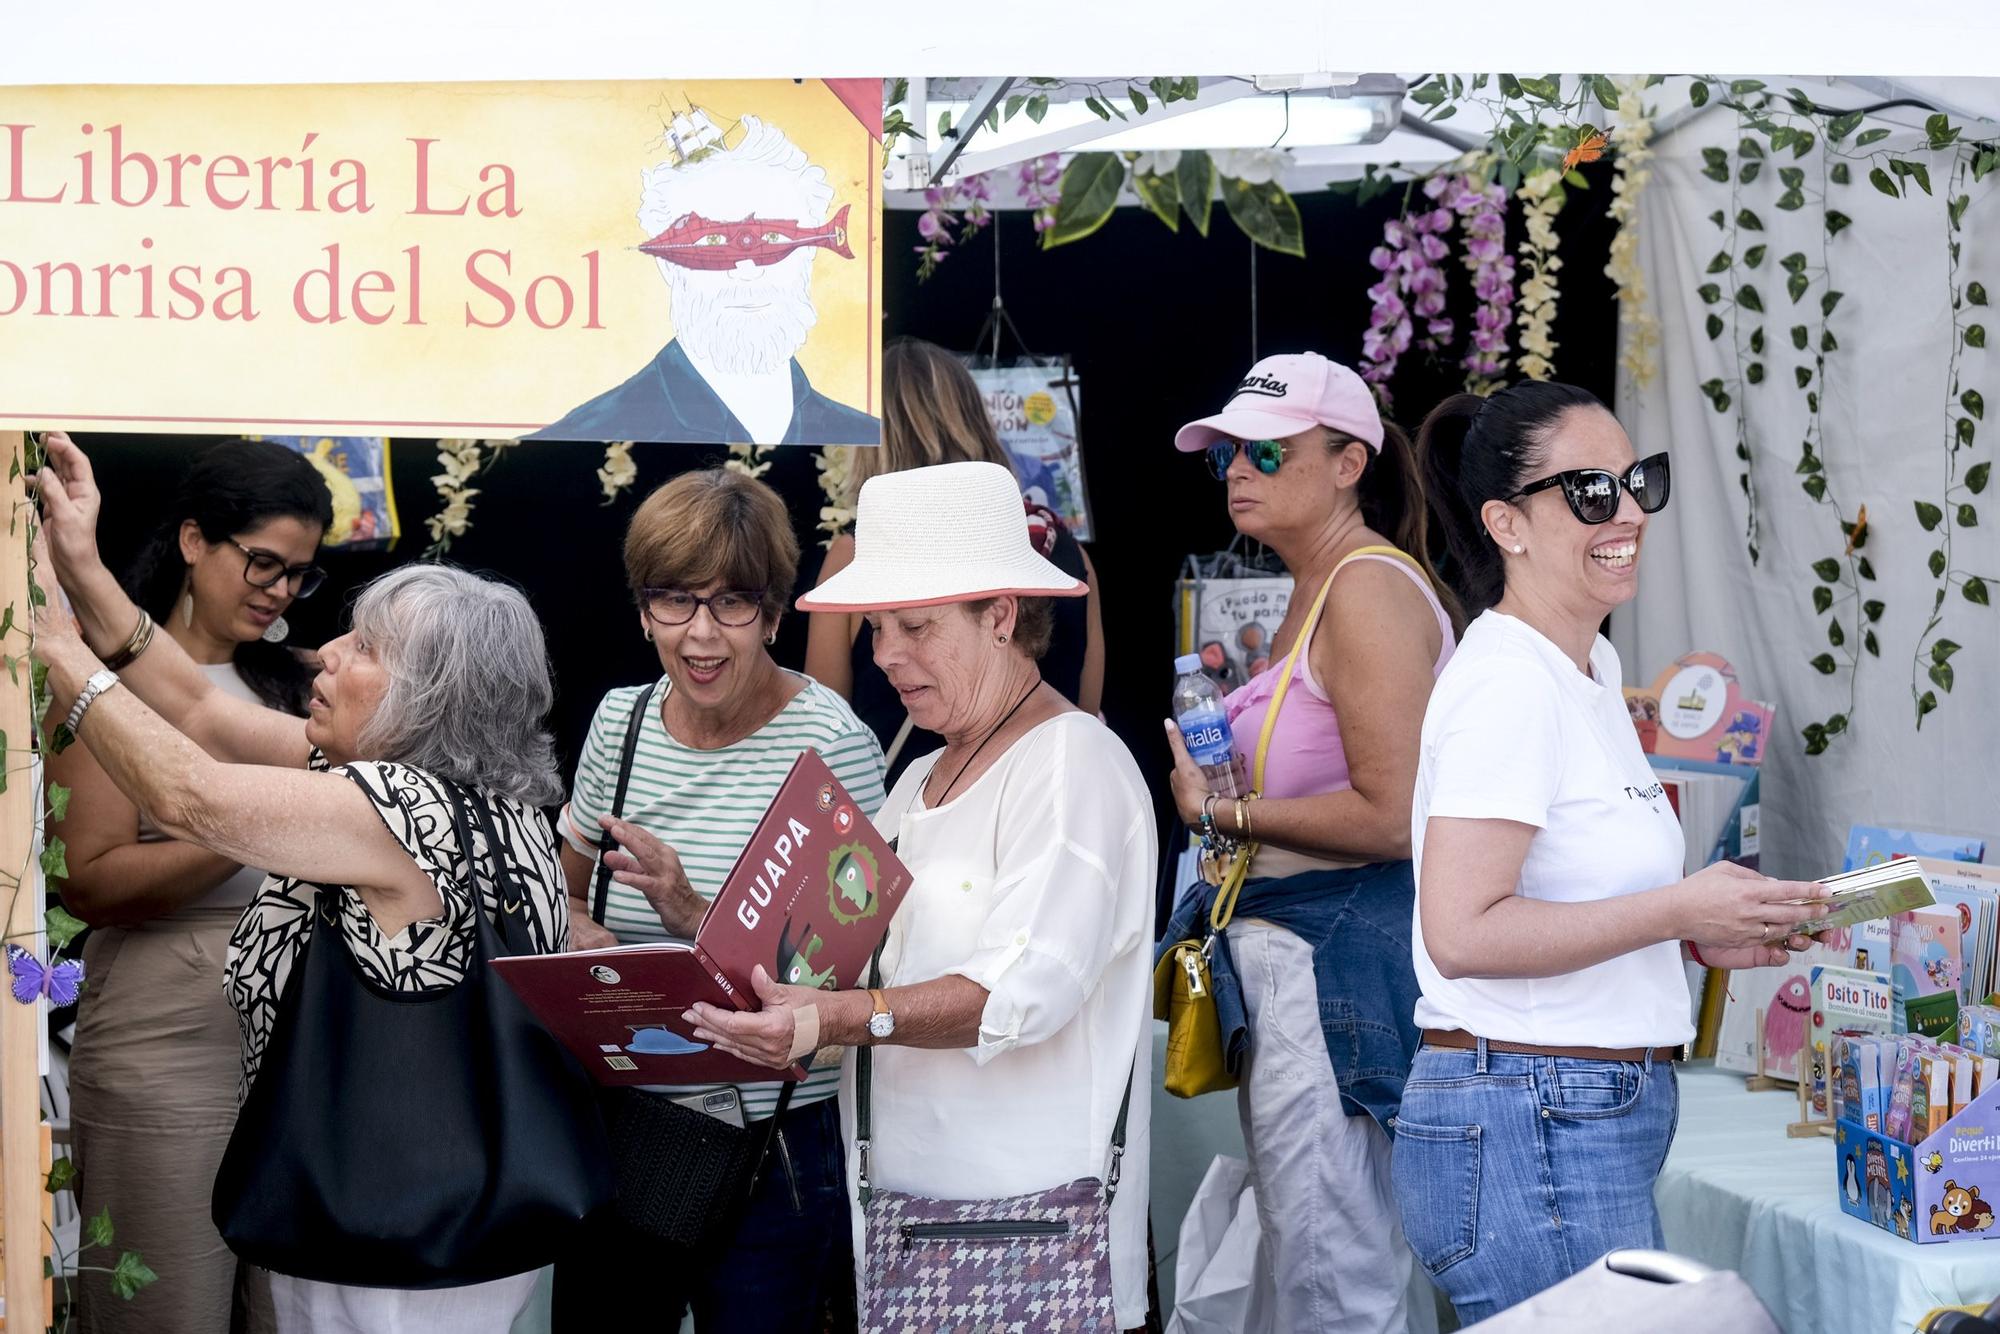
[
  {"x": 1518, "y": 548},
  {"x": 1000, "y": 639}
]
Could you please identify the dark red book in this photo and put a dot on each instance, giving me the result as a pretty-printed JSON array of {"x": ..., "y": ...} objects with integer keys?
[{"x": 809, "y": 898}]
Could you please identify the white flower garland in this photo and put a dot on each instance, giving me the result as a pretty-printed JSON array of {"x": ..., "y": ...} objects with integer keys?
[
  {"x": 1631, "y": 138},
  {"x": 618, "y": 471},
  {"x": 835, "y": 464},
  {"x": 752, "y": 461},
  {"x": 459, "y": 461},
  {"x": 1542, "y": 198}
]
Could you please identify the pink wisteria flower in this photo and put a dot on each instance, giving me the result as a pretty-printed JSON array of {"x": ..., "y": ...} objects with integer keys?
[
  {"x": 1041, "y": 188},
  {"x": 946, "y": 208},
  {"x": 1484, "y": 253}
]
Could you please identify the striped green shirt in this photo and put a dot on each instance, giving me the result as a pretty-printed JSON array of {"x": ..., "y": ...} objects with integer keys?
[{"x": 705, "y": 804}]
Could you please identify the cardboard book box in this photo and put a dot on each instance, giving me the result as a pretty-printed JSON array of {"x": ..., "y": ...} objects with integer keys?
[{"x": 1940, "y": 1189}]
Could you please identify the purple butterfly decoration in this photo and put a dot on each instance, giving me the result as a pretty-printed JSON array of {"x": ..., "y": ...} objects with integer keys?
[{"x": 34, "y": 978}]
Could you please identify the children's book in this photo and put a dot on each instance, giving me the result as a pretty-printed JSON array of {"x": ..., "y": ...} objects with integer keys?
[
  {"x": 1867, "y": 844},
  {"x": 1845, "y": 1001},
  {"x": 1924, "y": 954},
  {"x": 1974, "y": 891},
  {"x": 1881, "y": 890},
  {"x": 809, "y": 899}
]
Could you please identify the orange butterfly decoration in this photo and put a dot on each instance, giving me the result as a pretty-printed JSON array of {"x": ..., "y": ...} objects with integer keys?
[
  {"x": 1859, "y": 533},
  {"x": 1590, "y": 150}
]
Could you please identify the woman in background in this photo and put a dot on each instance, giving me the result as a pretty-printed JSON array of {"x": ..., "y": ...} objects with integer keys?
[
  {"x": 932, "y": 413},
  {"x": 155, "y": 1065},
  {"x": 1321, "y": 939}
]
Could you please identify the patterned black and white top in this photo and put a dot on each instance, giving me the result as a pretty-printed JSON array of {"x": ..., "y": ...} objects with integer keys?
[{"x": 426, "y": 956}]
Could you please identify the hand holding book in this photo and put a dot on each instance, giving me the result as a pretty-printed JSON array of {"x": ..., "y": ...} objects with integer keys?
[{"x": 1726, "y": 909}]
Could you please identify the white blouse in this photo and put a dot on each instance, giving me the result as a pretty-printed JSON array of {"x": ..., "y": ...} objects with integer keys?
[{"x": 1035, "y": 881}]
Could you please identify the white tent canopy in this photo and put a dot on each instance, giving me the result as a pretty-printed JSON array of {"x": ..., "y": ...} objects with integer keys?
[{"x": 376, "y": 41}]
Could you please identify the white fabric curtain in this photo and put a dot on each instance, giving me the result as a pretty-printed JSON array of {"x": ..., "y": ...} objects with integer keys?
[{"x": 1885, "y": 444}]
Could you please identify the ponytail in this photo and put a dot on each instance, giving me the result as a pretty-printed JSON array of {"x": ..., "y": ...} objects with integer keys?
[
  {"x": 1393, "y": 502},
  {"x": 1475, "y": 450}
]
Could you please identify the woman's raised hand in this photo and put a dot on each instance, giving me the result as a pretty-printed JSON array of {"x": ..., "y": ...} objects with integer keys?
[
  {"x": 1726, "y": 907},
  {"x": 70, "y": 504},
  {"x": 654, "y": 869}
]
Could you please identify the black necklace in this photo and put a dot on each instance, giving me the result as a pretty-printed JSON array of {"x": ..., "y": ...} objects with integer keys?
[{"x": 943, "y": 796}]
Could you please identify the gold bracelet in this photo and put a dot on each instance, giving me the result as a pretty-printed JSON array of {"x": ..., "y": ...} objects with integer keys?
[
  {"x": 140, "y": 641},
  {"x": 1242, "y": 824},
  {"x": 1244, "y": 806}
]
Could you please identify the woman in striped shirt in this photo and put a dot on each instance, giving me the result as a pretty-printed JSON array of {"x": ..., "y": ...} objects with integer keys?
[{"x": 711, "y": 560}]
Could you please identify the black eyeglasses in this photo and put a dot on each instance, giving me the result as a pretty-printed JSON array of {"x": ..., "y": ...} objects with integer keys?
[
  {"x": 1265, "y": 456},
  {"x": 263, "y": 569},
  {"x": 733, "y": 607},
  {"x": 1592, "y": 493}
]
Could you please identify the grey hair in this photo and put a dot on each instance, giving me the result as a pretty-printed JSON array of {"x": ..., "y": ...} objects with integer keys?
[{"x": 469, "y": 684}]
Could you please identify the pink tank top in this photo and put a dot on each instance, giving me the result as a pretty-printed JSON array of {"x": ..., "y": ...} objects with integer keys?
[{"x": 1306, "y": 758}]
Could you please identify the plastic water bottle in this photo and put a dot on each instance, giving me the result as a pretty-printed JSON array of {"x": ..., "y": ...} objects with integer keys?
[{"x": 1204, "y": 725}]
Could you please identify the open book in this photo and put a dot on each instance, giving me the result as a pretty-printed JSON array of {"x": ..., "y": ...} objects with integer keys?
[
  {"x": 809, "y": 898},
  {"x": 1881, "y": 890}
]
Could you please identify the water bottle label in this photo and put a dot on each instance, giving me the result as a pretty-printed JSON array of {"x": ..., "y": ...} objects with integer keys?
[{"x": 1207, "y": 738}]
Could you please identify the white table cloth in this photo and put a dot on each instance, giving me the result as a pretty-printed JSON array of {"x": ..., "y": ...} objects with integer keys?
[{"x": 1737, "y": 1194}]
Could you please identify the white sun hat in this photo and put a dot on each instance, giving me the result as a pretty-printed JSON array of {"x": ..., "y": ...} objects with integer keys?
[{"x": 952, "y": 532}]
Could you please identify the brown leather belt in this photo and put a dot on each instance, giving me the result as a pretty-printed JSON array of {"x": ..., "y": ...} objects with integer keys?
[{"x": 1462, "y": 1041}]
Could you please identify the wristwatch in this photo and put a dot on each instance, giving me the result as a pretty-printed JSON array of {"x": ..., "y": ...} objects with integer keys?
[{"x": 882, "y": 1023}]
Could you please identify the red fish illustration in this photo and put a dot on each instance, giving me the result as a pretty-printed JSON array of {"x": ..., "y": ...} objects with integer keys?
[{"x": 696, "y": 242}]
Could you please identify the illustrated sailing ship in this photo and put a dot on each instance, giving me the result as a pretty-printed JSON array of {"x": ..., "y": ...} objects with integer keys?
[{"x": 692, "y": 135}]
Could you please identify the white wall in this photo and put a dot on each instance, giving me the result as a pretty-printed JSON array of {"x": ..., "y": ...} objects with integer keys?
[{"x": 1885, "y": 430}]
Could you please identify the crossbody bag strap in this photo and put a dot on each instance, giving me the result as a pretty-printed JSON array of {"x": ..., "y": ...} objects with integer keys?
[
  {"x": 601, "y": 892},
  {"x": 1232, "y": 886},
  {"x": 864, "y": 1069}
]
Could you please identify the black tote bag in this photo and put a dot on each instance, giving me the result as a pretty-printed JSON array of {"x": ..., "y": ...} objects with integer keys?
[{"x": 411, "y": 1140}]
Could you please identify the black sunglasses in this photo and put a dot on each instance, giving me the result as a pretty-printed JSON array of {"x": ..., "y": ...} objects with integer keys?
[
  {"x": 1265, "y": 456},
  {"x": 1592, "y": 493},
  {"x": 263, "y": 569}
]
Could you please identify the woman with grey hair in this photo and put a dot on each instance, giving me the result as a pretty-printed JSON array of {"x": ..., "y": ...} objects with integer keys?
[{"x": 435, "y": 696}]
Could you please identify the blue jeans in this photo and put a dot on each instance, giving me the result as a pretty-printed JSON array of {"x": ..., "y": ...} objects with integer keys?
[
  {"x": 789, "y": 1260},
  {"x": 1514, "y": 1172}
]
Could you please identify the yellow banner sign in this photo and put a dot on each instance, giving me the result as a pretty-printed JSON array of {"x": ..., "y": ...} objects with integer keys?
[{"x": 581, "y": 261}]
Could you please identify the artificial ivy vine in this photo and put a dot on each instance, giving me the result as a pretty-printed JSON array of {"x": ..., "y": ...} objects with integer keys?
[
  {"x": 1965, "y": 408},
  {"x": 1738, "y": 297},
  {"x": 60, "y": 929}
]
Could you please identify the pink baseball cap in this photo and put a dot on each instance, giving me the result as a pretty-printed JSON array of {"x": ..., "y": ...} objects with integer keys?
[{"x": 1282, "y": 396}]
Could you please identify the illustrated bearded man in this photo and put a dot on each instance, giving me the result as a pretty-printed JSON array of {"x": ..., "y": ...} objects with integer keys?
[{"x": 735, "y": 234}]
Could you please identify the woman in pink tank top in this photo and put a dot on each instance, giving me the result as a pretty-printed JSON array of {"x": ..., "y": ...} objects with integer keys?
[{"x": 1320, "y": 942}]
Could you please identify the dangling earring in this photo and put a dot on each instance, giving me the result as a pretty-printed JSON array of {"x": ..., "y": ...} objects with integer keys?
[
  {"x": 277, "y": 631},
  {"x": 187, "y": 608}
]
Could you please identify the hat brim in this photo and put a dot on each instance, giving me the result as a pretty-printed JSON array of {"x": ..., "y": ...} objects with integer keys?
[
  {"x": 865, "y": 587},
  {"x": 1238, "y": 424}
]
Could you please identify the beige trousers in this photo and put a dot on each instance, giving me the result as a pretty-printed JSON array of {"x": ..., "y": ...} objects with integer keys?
[{"x": 153, "y": 1080}]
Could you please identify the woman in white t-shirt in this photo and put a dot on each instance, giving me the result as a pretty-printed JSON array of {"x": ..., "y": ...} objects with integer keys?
[{"x": 1551, "y": 910}]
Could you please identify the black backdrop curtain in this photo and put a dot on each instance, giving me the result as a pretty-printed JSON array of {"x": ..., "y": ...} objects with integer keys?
[{"x": 1160, "y": 326}]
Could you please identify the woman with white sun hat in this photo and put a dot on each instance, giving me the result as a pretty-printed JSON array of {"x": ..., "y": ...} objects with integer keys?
[{"x": 1009, "y": 1022}]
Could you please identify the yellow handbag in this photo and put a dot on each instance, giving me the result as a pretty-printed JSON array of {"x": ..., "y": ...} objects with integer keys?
[{"x": 1183, "y": 989}]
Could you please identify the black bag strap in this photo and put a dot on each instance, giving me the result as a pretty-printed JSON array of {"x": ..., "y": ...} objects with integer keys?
[
  {"x": 601, "y": 891},
  {"x": 863, "y": 1084}
]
